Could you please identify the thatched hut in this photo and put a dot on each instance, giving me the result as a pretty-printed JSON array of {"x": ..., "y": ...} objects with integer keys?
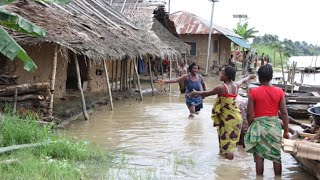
[
  {"x": 84, "y": 33},
  {"x": 152, "y": 17}
]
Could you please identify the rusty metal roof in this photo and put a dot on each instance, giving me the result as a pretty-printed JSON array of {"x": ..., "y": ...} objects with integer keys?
[{"x": 188, "y": 23}]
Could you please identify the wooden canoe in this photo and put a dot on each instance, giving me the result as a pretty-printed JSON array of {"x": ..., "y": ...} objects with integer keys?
[
  {"x": 312, "y": 166},
  {"x": 299, "y": 88}
]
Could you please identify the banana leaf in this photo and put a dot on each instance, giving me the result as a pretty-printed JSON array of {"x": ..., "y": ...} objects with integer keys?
[
  {"x": 18, "y": 23},
  {"x": 11, "y": 49}
]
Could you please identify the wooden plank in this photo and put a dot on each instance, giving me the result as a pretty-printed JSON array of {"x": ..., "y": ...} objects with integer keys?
[
  {"x": 288, "y": 145},
  {"x": 316, "y": 94}
]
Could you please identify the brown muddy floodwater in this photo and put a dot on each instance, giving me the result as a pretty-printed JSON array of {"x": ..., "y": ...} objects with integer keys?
[{"x": 160, "y": 142}]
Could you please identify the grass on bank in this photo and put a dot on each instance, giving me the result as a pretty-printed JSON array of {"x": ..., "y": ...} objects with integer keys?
[{"x": 65, "y": 158}]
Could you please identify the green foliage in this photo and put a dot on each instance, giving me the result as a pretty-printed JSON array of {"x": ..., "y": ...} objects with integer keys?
[
  {"x": 65, "y": 158},
  {"x": 291, "y": 48},
  {"x": 269, "y": 50},
  {"x": 243, "y": 31},
  {"x": 18, "y": 23},
  {"x": 11, "y": 49},
  {"x": 3, "y": 2},
  {"x": 16, "y": 130}
]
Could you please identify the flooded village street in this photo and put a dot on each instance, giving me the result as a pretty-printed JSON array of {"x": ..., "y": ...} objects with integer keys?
[{"x": 159, "y": 141}]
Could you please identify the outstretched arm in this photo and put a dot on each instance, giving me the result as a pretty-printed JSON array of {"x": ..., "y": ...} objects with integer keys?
[
  {"x": 204, "y": 94},
  {"x": 176, "y": 80},
  {"x": 244, "y": 80}
]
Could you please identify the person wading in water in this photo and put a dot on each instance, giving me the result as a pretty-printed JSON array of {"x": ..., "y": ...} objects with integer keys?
[
  {"x": 194, "y": 81},
  {"x": 226, "y": 114}
]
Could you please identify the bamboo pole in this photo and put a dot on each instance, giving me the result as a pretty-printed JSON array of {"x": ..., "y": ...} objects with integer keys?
[
  {"x": 170, "y": 72},
  {"x": 121, "y": 74},
  {"x": 293, "y": 75},
  {"x": 53, "y": 79},
  {"x": 117, "y": 66},
  {"x": 126, "y": 74},
  {"x": 161, "y": 67},
  {"x": 112, "y": 75},
  {"x": 138, "y": 79},
  {"x": 85, "y": 114},
  {"x": 108, "y": 83},
  {"x": 150, "y": 72},
  {"x": 284, "y": 80},
  {"x": 15, "y": 99},
  {"x": 274, "y": 58},
  {"x": 130, "y": 73}
]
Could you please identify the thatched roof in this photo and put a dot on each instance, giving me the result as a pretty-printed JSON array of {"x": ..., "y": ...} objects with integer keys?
[
  {"x": 142, "y": 12},
  {"x": 89, "y": 27}
]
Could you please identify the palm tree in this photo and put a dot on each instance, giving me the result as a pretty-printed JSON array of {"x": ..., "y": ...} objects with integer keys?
[
  {"x": 243, "y": 31},
  {"x": 8, "y": 46}
]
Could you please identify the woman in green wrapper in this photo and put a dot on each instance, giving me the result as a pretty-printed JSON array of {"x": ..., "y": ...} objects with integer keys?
[
  {"x": 263, "y": 138},
  {"x": 226, "y": 114}
]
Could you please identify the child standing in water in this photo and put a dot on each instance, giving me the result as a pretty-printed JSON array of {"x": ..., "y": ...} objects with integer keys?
[
  {"x": 194, "y": 81},
  {"x": 226, "y": 114}
]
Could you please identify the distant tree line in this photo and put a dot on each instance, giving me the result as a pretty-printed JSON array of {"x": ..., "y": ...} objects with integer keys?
[{"x": 291, "y": 48}]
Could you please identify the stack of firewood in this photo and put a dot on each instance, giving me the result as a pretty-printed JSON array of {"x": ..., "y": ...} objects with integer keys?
[
  {"x": 8, "y": 80},
  {"x": 34, "y": 97}
]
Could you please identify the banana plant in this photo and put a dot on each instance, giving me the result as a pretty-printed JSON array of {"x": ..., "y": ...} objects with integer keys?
[
  {"x": 243, "y": 31},
  {"x": 8, "y": 46}
]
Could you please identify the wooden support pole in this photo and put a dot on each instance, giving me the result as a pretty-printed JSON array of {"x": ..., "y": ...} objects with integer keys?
[
  {"x": 150, "y": 72},
  {"x": 293, "y": 75},
  {"x": 112, "y": 75},
  {"x": 85, "y": 114},
  {"x": 53, "y": 79},
  {"x": 161, "y": 68},
  {"x": 15, "y": 99},
  {"x": 274, "y": 58},
  {"x": 170, "y": 72},
  {"x": 117, "y": 66},
  {"x": 284, "y": 80},
  {"x": 138, "y": 79},
  {"x": 126, "y": 74},
  {"x": 108, "y": 83},
  {"x": 121, "y": 74},
  {"x": 130, "y": 74}
]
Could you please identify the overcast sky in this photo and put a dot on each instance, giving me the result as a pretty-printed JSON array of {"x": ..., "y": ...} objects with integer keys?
[{"x": 292, "y": 19}]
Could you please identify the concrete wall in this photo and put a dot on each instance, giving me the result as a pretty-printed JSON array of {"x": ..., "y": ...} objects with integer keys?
[
  {"x": 43, "y": 58},
  {"x": 202, "y": 45}
]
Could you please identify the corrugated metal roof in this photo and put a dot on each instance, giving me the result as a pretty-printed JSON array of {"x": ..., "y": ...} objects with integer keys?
[
  {"x": 188, "y": 23},
  {"x": 239, "y": 41}
]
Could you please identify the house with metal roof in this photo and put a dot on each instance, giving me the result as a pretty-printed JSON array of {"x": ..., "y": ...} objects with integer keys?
[{"x": 195, "y": 30}]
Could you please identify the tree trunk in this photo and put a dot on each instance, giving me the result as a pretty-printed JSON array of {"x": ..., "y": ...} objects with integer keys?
[
  {"x": 24, "y": 98},
  {"x": 24, "y": 88}
]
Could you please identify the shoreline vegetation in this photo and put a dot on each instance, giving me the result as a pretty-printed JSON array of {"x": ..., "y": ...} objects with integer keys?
[{"x": 63, "y": 158}]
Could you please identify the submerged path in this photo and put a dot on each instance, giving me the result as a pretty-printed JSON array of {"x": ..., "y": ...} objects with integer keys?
[{"x": 159, "y": 141}]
